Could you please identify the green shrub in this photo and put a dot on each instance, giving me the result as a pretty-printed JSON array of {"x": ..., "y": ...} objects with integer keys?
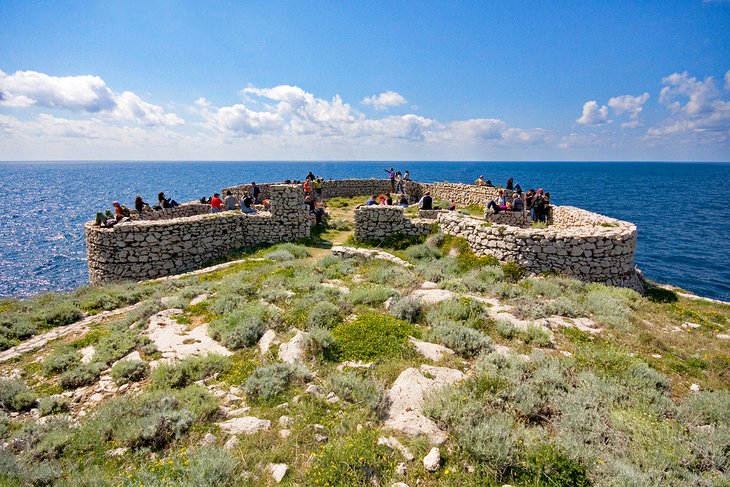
[
  {"x": 707, "y": 407},
  {"x": 58, "y": 312},
  {"x": 185, "y": 372},
  {"x": 422, "y": 252},
  {"x": 609, "y": 307},
  {"x": 513, "y": 271},
  {"x": 323, "y": 314},
  {"x": 146, "y": 346},
  {"x": 372, "y": 335},
  {"x": 492, "y": 441},
  {"x": 280, "y": 255},
  {"x": 126, "y": 371},
  {"x": 79, "y": 376},
  {"x": 241, "y": 328},
  {"x": 457, "y": 309},
  {"x": 408, "y": 309},
  {"x": 356, "y": 459},
  {"x": 371, "y": 295},
  {"x": 463, "y": 340},
  {"x": 15, "y": 395},
  {"x": 391, "y": 276},
  {"x": 354, "y": 388},
  {"x": 538, "y": 336},
  {"x": 506, "y": 329},
  {"x": 61, "y": 360},
  {"x": 320, "y": 342},
  {"x": 53, "y": 405},
  {"x": 198, "y": 467},
  {"x": 549, "y": 465},
  {"x": 245, "y": 334},
  {"x": 271, "y": 381},
  {"x": 657, "y": 294},
  {"x": 115, "y": 345}
]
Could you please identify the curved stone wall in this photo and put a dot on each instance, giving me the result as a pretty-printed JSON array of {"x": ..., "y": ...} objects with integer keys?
[
  {"x": 144, "y": 249},
  {"x": 377, "y": 222}
]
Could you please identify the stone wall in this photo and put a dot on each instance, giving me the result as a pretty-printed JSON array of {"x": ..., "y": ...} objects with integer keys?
[
  {"x": 186, "y": 209},
  {"x": 377, "y": 222},
  {"x": 144, "y": 249},
  {"x": 601, "y": 252}
]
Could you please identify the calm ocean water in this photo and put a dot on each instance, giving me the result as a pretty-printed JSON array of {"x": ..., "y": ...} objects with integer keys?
[{"x": 681, "y": 209}]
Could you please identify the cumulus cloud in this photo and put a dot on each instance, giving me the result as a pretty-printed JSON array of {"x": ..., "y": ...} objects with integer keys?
[
  {"x": 698, "y": 112},
  {"x": 632, "y": 105},
  {"x": 81, "y": 94},
  {"x": 593, "y": 114},
  {"x": 385, "y": 100},
  {"x": 727, "y": 80}
]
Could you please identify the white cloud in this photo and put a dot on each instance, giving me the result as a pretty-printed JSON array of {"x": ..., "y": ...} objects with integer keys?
[
  {"x": 384, "y": 100},
  {"x": 81, "y": 94},
  {"x": 632, "y": 105},
  {"x": 727, "y": 80},
  {"x": 593, "y": 114},
  {"x": 698, "y": 113}
]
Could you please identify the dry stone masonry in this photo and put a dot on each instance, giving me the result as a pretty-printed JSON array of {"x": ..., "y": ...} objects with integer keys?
[
  {"x": 144, "y": 249},
  {"x": 578, "y": 243}
]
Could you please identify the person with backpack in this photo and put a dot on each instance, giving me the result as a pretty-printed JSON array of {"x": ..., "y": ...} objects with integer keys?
[{"x": 537, "y": 206}]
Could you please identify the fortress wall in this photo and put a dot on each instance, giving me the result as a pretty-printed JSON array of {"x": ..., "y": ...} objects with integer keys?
[
  {"x": 377, "y": 222},
  {"x": 144, "y": 249}
]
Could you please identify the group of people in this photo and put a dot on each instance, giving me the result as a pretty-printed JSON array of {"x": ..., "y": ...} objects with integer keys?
[
  {"x": 397, "y": 180},
  {"x": 387, "y": 200},
  {"x": 232, "y": 202},
  {"x": 538, "y": 202},
  {"x": 488, "y": 183},
  {"x": 121, "y": 212}
]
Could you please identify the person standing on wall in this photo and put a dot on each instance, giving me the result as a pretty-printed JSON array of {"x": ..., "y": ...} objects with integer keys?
[
  {"x": 391, "y": 176},
  {"x": 254, "y": 191}
]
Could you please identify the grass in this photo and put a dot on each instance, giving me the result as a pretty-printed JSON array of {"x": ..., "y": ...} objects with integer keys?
[{"x": 372, "y": 335}]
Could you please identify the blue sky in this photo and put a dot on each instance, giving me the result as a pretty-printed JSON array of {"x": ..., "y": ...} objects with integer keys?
[{"x": 508, "y": 80}]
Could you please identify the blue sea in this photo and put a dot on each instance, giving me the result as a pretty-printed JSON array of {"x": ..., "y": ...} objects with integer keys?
[{"x": 681, "y": 210}]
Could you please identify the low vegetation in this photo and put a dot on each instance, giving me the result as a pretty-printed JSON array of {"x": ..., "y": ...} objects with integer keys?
[{"x": 635, "y": 395}]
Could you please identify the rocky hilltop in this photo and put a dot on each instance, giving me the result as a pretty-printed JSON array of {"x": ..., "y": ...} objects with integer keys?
[{"x": 336, "y": 361}]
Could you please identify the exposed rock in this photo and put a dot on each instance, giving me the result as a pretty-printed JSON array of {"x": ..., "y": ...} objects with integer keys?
[
  {"x": 432, "y": 296},
  {"x": 429, "y": 285},
  {"x": 285, "y": 420},
  {"x": 406, "y": 397},
  {"x": 723, "y": 336},
  {"x": 431, "y": 351},
  {"x": 348, "y": 252},
  {"x": 284, "y": 433},
  {"x": 237, "y": 412},
  {"x": 320, "y": 438},
  {"x": 314, "y": 390},
  {"x": 247, "y": 425},
  {"x": 694, "y": 388},
  {"x": 278, "y": 471},
  {"x": 337, "y": 285},
  {"x": 292, "y": 352},
  {"x": 359, "y": 364},
  {"x": 87, "y": 354},
  {"x": 267, "y": 339},
  {"x": 231, "y": 443},
  {"x": 432, "y": 461},
  {"x": 175, "y": 342},
  {"x": 199, "y": 299},
  {"x": 117, "y": 452},
  {"x": 401, "y": 470},
  {"x": 399, "y": 484},
  {"x": 208, "y": 439},
  {"x": 332, "y": 398}
]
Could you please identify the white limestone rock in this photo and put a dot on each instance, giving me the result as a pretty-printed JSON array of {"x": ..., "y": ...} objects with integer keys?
[
  {"x": 267, "y": 339},
  {"x": 87, "y": 354},
  {"x": 432, "y": 461},
  {"x": 432, "y": 296},
  {"x": 292, "y": 352},
  {"x": 277, "y": 471},
  {"x": 246, "y": 425},
  {"x": 431, "y": 351}
]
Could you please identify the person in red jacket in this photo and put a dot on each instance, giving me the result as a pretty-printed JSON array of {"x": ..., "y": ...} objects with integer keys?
[{"x": 215, "y": 203}]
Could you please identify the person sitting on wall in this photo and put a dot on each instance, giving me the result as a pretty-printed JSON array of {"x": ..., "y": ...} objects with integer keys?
[
  {"x": 488, "y": 183},
  {"x": 388, "y": 201},
  {"x": 509, "y": 184},
  {"x": 426, "y": 202},
  {"x": 254, "y": 191},
  {"x": 230, "y": 201},
  {"x": 372, "y": 201},
  {"x": 499, "y": 203},
  {"x": 480, "y": 181},
  {"x": 310, "y": 176},
  {"x": 407, "y": 176},
  {"x": 310, "y": 202},
  {"x": 266, "y": 204},
  {"x": 166, "y": 202},
  {"x": 307, "y": 186},
  {"x": 120, "y": 211},
  {"x": 140, "y": 205},
  {"x": 246, "y": 203},
  {"x": 517, "y": 203},
  {"x": 404, "y": 201},
  {"x": 215, "y": 203},
  {"x": 518, "y": 189}
]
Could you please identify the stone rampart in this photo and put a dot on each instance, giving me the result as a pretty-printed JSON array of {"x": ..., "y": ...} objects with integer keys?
[
  {"x": 144, "y": 249},
  {"x": 377, "y": 222},
  {"x": 600, "y": 251}
]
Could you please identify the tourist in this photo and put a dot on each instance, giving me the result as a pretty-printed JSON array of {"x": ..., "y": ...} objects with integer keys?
[
  {"x": 545, "y": 208},
  {"x": 426, "y": 202},
  {"x": 529, "y": 196},
  {"x": 215, "y": 203},
  {"x": 518, "y": 189},
  {"x": 231, "y": 201},
  {"x": 404, "y": 201},
  {"x": 387, "y": 200},
  {"x": 310, "y": 176},
  {"x": 254, "y": 191},
  {"x": 317, "y": 184},
  {"x": 537, "y": 206},
  {"x": 480, "y": 181},
  {"x": 310, "y": 202},
  {"x": 488, "y": 183},
  {"x": 452, "y": 206},
  {"x": 398, "y": 182},
  {"x": 407, "y": 176},
  {"x": 499, "y": 203},
  {"x": 307, "y": 186},
  {"x": 166, "y": 202},
  {"x": 391, "y": 176},
  {"x": 517, "y": 203},
  {"x": 509, "y": 184},
  {"x": 246, "y": 203},
  {"x": 266, "y": 203},
  {"x": 372, "y": 201},
  {"x": 140, "y": 205}
]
